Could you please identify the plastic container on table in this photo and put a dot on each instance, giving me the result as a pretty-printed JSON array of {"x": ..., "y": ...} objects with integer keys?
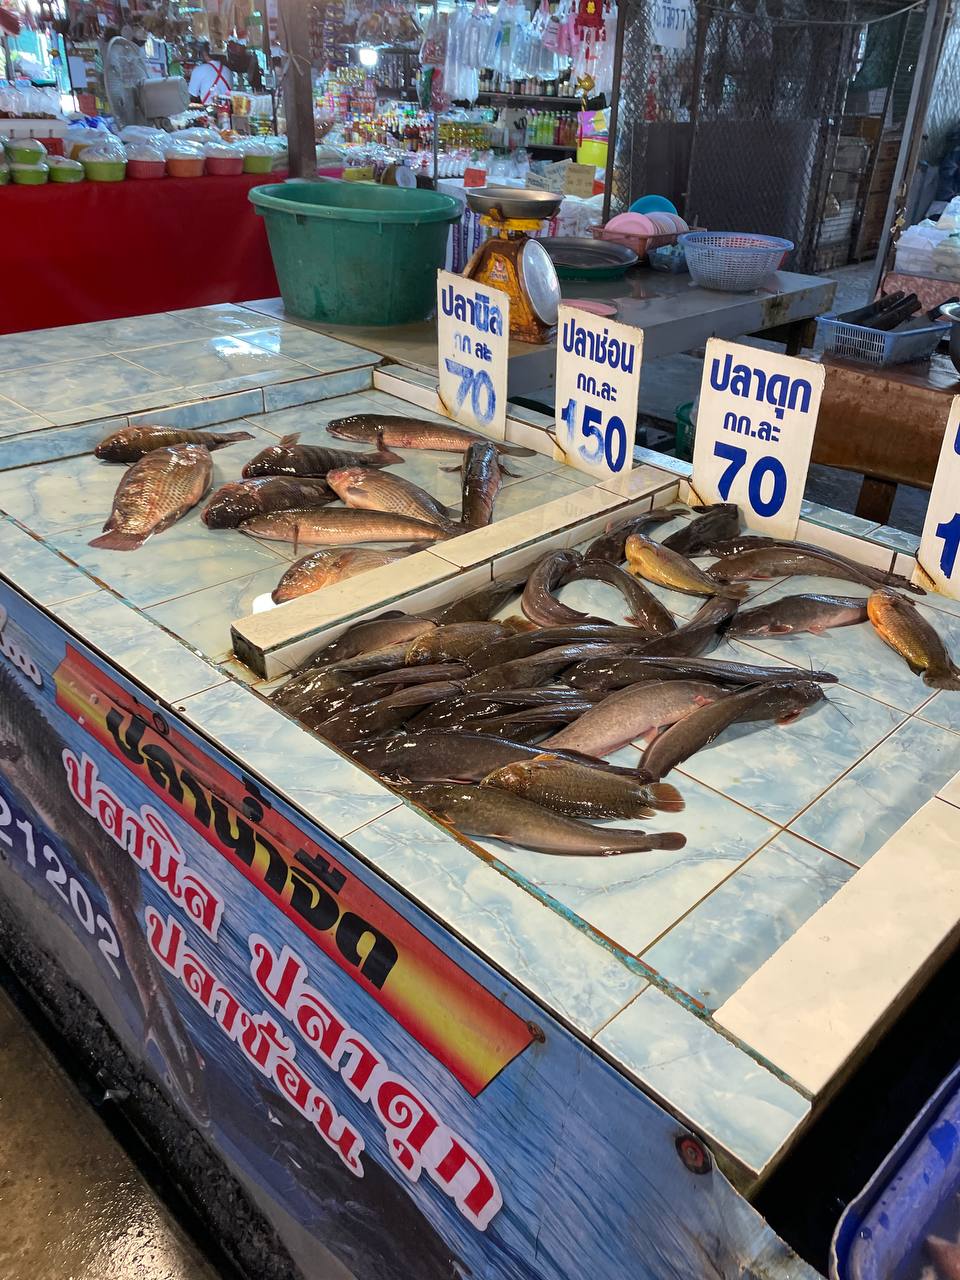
[
  {"x": 733, "y": 261},
  {"x": 145, "y": 159},
  {"x": 182, "y": 165},
  {"x": 104, "y": 170},
  {"x": 223, "y": 160},
  {"x": 65, "y": 170},
  {"x": 877, "y": 346},
  {"x": 25, "y": 151},
  {"x": 356, "y": 253},
  {"x": 29, "y": 175},
  {"x": 253, "y": 163}
]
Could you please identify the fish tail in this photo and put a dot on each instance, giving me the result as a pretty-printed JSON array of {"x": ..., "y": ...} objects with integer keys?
[
  {"x": 666, "y": 797},
  {"x": 221, "y": 442},
  {"x": 666, "y": 840},
  {"x": 386, "y": 457},
  {"x": 515, "y": 450},
  {"x": 734, "y": 590},
  {"x": 942, "y": 677},
  {"x": 114, "y": 540}
]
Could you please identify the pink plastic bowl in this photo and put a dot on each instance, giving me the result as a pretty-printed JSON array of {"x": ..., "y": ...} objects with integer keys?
[
  {"x": 224, "y": 166},
  {"x": 146, "y": 169}
]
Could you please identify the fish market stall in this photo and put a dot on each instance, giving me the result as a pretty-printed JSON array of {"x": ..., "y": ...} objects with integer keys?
[{"x": 434, "y": 1010}]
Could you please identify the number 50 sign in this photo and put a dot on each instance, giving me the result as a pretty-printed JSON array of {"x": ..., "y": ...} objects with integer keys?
[
  {"x": 939, "y": 554},
  {"x": 755, "y": 427}
]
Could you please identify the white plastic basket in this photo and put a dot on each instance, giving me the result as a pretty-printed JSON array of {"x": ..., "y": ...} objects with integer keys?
[
  {"x": 736, "y": 261},
  {"x": 877, "y": 346}
]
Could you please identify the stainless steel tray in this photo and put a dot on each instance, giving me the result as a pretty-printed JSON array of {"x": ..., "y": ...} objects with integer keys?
[
  {"x": 577, "y": 258},
  {"x": 513, "y": 202}
]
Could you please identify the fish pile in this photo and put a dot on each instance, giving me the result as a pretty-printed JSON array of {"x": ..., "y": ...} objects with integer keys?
[
  {"x": 289, "y": 491},
  {"x": 497, "y": 713}
]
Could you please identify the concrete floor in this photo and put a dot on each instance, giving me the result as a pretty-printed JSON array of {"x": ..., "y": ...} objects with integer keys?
[{"x": 72, "y": 1204}]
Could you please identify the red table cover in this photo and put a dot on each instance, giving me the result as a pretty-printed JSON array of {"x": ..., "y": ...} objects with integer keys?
[{"x": 102, "y": 250}]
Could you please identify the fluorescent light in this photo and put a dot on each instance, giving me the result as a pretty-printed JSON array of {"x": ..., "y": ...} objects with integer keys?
[{"x": 369, "y": 57}]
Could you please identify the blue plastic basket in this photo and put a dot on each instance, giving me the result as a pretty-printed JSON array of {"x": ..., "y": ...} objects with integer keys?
[
  {"x": 736, "y": 261},
  {"x": 877, "y": 346}
]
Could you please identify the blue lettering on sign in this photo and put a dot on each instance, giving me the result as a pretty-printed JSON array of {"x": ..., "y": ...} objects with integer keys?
[
  {"x": 949, "y": 534},
  {"x": 478, "y": 385},
  {"x": 598, "y": 347},
  {"x": 763, "y": 467},
  {"x": 776, "y": 389},
  {"x": 479, "y": 311},
  {"x": 597, "y": 441}
]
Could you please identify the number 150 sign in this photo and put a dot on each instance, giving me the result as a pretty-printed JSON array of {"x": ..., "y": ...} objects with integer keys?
[{"x": 939, "y": 554}]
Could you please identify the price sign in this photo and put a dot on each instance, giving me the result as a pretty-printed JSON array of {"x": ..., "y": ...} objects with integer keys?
[
  {"x": 473, "y": 338},
  {"x": 671, "y": 23},
  {"x": 598, "y": 382},
  {"x": 939, "y": 554},
  {"x": 755, "y": 427}
]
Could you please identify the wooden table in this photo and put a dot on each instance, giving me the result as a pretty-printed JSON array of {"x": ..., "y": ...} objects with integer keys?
[{"x": 886, "y": 424}]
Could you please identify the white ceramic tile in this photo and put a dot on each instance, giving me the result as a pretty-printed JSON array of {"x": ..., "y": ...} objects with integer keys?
[
  {"x": 197, "y": 414},
  {"x": 844, "y": 972},
  {"x": 846, "y": 544},
  {"x": 37, "y": 571},
  {"x": 720, "y": 1090}
]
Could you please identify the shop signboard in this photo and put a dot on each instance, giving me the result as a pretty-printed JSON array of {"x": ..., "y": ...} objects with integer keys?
[
  {"x": 671, "y": 23},
  {"x": 473, "y": 341},
  {"x": 755, "y": 426},
  {"x": 938, "y": 559},
  {"x": 395, "y": 1106},
  {"x": 598, "y": 385}
]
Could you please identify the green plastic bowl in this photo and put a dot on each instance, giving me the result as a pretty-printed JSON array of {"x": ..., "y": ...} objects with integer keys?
[
  {"x": 258, "y": 164},
  {"x": 105, "y": 170},
  {"x": 25, "y": 151},
  {"x": 29, "y": 175},
  {"x": 66, "y": 171}
]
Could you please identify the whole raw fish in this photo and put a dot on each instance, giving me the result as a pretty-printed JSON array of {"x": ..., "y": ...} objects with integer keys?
[
  {"x": 231, "y": 504},
  {"x": 371, "y": 490},
  {"x": 529, "y": 724},
  {"x": 288, "y": 458},
  {"x": 482, "y": 478},
  {"x": 638, "y": 711},
  {"x": 327, "y": 566},
  {"x": 131, "y": 443},
  {"x": 538, "y": 602},
  {"x": 470, "y": 706},
  {"x": 702, "y": 633},
  {"x": 721, "y": 520},
  {"x": 617, "y": 673},
  {"x": 900, "y": 624},
  {"x": 481, "y": 604},
  {"x": 580, "y": 792},
  {"x": 374, "y": 718},
  {"x": 657, "y": 563},
  {"x": 645, "y": 610},
  {"x": 486, "y": 811},
  {"x": 334, "y": 526},
  {"x": 770, "y": 559},
  {"x": 414, "y": 433},
  {"x": 537, "y": 668},
  {"x": 793, "y": 614},
  {"x": 611, "y": 545},
  {"x": 155, "y": 493},
  {"x": 525, "y": 643},
  {"x": 453, "y": 641},
  {"x": 388, "y": 628}
]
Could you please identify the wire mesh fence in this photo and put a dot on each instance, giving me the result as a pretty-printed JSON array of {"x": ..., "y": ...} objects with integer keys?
[{"x": 740, "y": 128}]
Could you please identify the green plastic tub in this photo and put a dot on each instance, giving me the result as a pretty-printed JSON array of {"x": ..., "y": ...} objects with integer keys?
[{"x": 356, "y": 253}]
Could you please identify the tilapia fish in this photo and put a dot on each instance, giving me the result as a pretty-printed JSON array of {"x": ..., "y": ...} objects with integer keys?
[
  {"x": 334, "y": 526},
  {"x": 231, "y": 504},
  {"x": 414, "y": 433},
  {"x": 327, "y": 566},
  {"x": 371, "y": 490},
  {"x": 657, "y": 563},
  {"x": 793, "y": 614},
  {"x": 288, "y": 458},
  {"x": 130, "y": 444},
  {"x": 482, "y": 478},
  {"x": 487, "y": 811},
  {"x": 581, "y": 792},
  {"x": 900, "y": 624},
  {"x": 766, "y": 558},
  {"x": 721, "y": 520},
  {"x": 163, "y": 486},
  {"x": 644, "y": 609},
  {"x": 635, "y": 712}
]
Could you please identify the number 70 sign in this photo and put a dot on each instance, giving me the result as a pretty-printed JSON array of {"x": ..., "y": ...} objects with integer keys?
[{"x": 939, "y": 554}]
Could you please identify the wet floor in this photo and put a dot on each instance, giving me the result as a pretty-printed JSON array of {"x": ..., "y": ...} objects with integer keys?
[{"x": 72, "y": 1204}]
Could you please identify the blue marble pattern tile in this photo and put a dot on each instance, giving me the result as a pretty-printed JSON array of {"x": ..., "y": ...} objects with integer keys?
[
  {"x": 896, "y": 539},
  {"x": 44, "y": 346},
  {"x": 132, "y": 332},
  {"x": 943, "y": 709},
  {"x": 80, "y": 386},
  {"x": 315, "y": 349},
  {"x": 221, "y": 317},
  {"x": 216, "y": 364},
  {"x": 861, "y": 811},
  {"x": 582, "y": 982},
  {"x": 725, "y": 1093},
  {"x": 59, "y": 442},
  {"x": 844, "y": 521},
  {"x": 153, "y": 659},
  {"x": 632, "y": 898},
  {"x": 283, "y": 395},
  {"x": 311, "y": 774},
  {"x": 37, "y": 571},
  {"x": 197, "y": 414},
  {"x": 203, "y": 618},
  {"x": 13, "y": 415},
  {"x": 310, "y": 419},
  {"x": 24, "y": 423},
  {"x": 712, "y": 951},
  {"x": 943, "y": 604}
]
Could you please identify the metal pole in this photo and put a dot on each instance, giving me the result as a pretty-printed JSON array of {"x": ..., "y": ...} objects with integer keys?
[
  {"x": 927, "y": 60},
  {"x": 298, "y": 88},
  {"x": 614, "y": 108}
]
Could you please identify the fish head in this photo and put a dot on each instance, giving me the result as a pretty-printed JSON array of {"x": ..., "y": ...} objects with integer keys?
[
  {"x": 343, "y": 479},
  {"x": 355, "y": 427},
  {"x": 228, "y": 506},
  {"x": 115, "y": 447}
]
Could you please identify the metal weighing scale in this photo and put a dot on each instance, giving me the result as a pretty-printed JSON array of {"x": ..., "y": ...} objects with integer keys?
[{"x": 514, "y": 262}]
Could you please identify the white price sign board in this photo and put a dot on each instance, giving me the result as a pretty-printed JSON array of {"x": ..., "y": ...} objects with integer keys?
[
  {"x": 473, "y": 339},
  {"x": 755, "y": 427},
  {"x": 598, "y": 382},
  {"x": 939, "y": 554},
  {"x": 671, "y": 22}
]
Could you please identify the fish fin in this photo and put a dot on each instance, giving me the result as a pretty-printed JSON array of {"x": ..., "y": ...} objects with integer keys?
[
  {"x": 114, "y": 540},
  {"x": 783, "y": 628},
  {"x": 296, "y": 539},
  {"x": 290, "y": 439},
  {"x": 666, "y": 797},
  {"x": 457, "y": 466},
  {"x": 668, "y": 840},
  {"x": 948, "y": 678},
  {"x": 702, "y": 700},
  {"x": 387, "y": 457},
  {"x": 221, "y": 442},
  {"x": 735, "y": 590},
  {"x": 516, "y": 450},
  {"x": 505, "y": 470}
]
